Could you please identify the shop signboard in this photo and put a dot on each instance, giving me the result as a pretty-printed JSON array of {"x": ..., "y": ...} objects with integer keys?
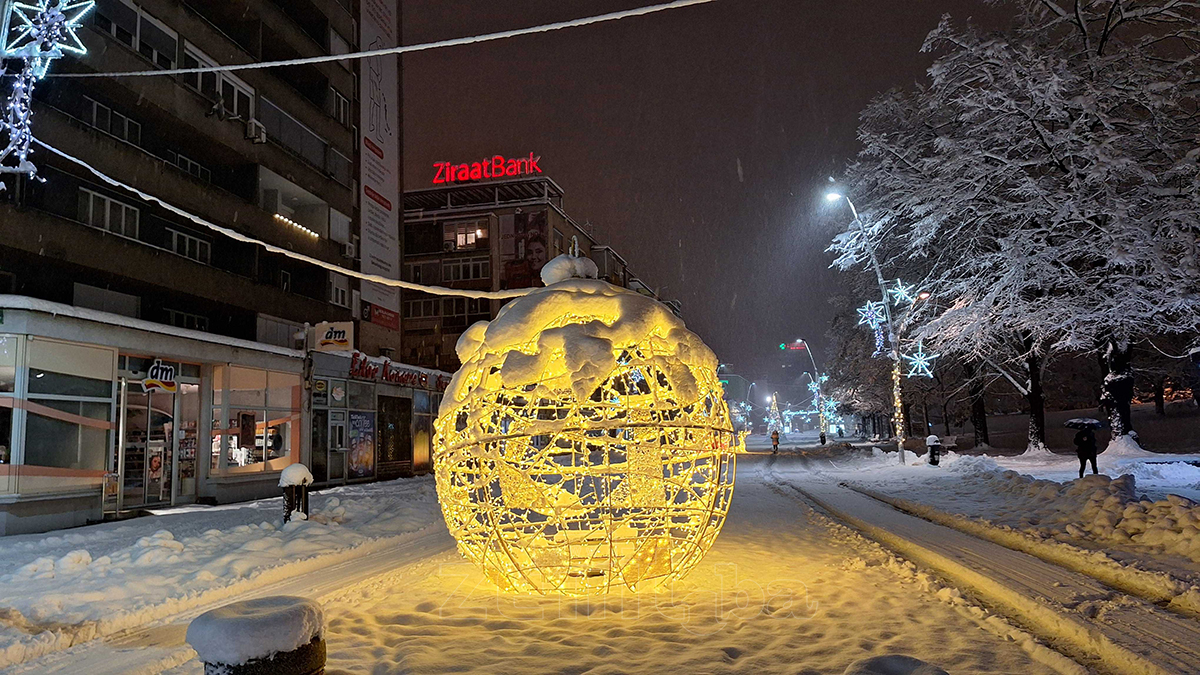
[
  {"x": 160, "y": 377},
  {"x": 496, "y": 166},
  {"x": 385, "y": 317},
  {"x": 387, "y": 372},
  {"x": 334, "y": 336},
  {"x": 320, "y": 392},
  {"x": 360, "y": 461},
  {"x": 379, "y": 163}
]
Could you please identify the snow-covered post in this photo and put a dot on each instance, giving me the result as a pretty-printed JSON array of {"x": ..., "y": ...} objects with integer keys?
[
  {"x": 263, "y": 636},
  {"x": 295, "y": 480}
]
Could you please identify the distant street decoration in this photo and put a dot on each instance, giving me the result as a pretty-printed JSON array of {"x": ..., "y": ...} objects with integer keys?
[
  {"x": 874, "y": 314},
  {"x": 584, "y": 446},
  {"x": 920, "y": 364},
  {"x": 37, "y": 33}
]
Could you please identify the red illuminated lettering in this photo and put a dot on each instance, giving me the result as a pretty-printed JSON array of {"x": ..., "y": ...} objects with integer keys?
[{"x": 496, "y": 166}]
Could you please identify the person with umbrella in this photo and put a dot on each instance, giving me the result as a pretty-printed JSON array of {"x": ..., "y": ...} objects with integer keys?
[{"x": 1085, "y": 442}]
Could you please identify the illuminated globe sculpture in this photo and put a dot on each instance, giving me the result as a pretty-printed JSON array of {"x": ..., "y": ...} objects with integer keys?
[{"x": 584, "y": 446}]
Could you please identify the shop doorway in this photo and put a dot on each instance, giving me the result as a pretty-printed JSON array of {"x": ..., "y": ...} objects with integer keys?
[
  {"x": 329, "y": 447},
  {"x": 156, "y": 449},
  {"x": 395, "y": 437}
]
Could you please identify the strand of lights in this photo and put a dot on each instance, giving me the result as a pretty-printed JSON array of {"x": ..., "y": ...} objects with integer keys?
[
  {"x": 874, "y": 314},
  {"x": 284, "y": 219},
  {"x": 38, "y": 34},
  {"x": 920, "y": 363}
]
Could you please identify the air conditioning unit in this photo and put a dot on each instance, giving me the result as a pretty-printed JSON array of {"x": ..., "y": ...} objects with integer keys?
[
  {"x": 255, "y": 131},
  {"x": 349, "y": 250},
  {"x": 447, "y": 246}
]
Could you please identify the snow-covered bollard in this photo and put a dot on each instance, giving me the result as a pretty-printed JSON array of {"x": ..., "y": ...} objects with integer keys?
[
  {"x": 278, "y": 635},
  {"x": 295, "y": 480}
]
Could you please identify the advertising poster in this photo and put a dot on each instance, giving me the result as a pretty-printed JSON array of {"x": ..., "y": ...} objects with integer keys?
[
  {"x": 379, "y": 163},
  {"x": 524, "y": 251},
  {"x": 360, "y": 461}
]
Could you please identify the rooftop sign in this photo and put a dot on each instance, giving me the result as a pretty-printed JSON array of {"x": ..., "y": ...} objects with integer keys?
[{"x": 494, "y": 167}]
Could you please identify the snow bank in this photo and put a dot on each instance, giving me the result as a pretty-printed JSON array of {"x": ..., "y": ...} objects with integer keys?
[
  {"x": 295, "y": 474},
  {"x": 893, "y": 664},
  {"x": 63, "y": 588},
  {"x": 255, "y": 629}
]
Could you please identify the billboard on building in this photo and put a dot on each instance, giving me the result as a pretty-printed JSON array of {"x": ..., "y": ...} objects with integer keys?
[
  {"x": 524, "y": 248},
  {"x": 379, "y": 156}
]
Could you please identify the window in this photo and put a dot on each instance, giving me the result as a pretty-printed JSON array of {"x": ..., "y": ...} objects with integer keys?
[
  {"x": 339, "y": 107},
  {"x": 187, "y": 320},
  {"x": 157, "y": 42},
  {"x": 285, "y": 280},
  {"x": 558, "y": 243},
  {"x": 339, "y": 226},
  {"x": 466, "y": 235},
  {"x": 256, "y": 419},
  {"x": 339, "y": 166},
  {"x": 71, "y": 398},
  {"x": 339, "y": 289},
  {"x": 235, "y": 95},
  {"x": 461, "y": 312},
  {"x": 461, "y": 269},
  {"x": 111, "y": 122},
  {"x": 339, "y": 45},
  {"x": 414, "y": 273},
  {"x": 420, "y": 309},
  {"x": 205, "y": 83},
  {"x": 136, "y": 29},
  {"x": 284, "y": 129},
  {"x": 192, "y": 168},
  {"x": 106, "y": 213},
  {"x": 188, "y": 246}
]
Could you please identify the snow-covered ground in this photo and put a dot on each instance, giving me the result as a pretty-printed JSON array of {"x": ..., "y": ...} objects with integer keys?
[{"x": 63, "y": 588}]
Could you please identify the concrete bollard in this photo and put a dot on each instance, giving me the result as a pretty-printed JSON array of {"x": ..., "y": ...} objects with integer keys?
[{"x": 277, "y": 635}]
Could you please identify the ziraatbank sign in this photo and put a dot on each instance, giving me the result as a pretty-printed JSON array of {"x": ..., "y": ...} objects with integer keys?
[{"x": 495, "y": 167}]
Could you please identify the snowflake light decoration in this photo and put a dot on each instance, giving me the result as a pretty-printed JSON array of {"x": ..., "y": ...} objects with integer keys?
[
  {"x": 902, "y": 293},
  {"x": 584, "y": 446},
  {"x": 37, "y": 33},
  {"x": 920, "y": 363}
]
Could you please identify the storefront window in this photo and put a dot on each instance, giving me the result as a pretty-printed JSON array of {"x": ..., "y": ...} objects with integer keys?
[
  {"x": 6, "y": 434},
  {"x": 70, "y": 410},
  {"x": 259, "y": 412},
  {"x": 8, "y": 364}
]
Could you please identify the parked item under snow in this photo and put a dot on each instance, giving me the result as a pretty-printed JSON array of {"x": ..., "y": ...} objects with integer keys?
[{"x": 295, "y": 480}]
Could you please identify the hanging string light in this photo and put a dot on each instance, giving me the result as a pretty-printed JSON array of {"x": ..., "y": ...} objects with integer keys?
[
  {"x": 37, "y": 33},
  {"x": 874, "y": 314}
]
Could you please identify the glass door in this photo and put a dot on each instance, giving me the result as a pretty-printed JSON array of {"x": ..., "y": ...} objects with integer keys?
[
  {"x": 149, "y": 447},
  {"x": 188, "y": 417}
]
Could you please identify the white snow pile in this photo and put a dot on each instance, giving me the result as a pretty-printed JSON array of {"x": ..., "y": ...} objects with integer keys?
[
  {"x": 295, "y": 474},
  {"x": 255, "y": 629},
  {"x": 568, "y": 336},
  {"x": 893, "y": 664},
  {"x": 62, "y": 588},
  {"x": 567, "y": 266},
  {"x": 1095, "y": 508}
]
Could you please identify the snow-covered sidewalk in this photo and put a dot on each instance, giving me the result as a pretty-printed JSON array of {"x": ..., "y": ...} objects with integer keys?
[{"x": 73, "y": 586}]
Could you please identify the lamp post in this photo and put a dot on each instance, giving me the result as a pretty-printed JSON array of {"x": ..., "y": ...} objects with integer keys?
[
  {"x": 897, "y": 399},
  {"x": 816, "y": 378}
]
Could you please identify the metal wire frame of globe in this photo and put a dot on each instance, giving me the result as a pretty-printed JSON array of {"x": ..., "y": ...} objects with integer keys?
[{"x": 627, "y": 489}]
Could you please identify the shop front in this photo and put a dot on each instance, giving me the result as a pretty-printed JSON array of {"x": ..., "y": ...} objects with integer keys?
[
  {"x": 372, "y": 418},
  {"x": 102, "y": 416}
]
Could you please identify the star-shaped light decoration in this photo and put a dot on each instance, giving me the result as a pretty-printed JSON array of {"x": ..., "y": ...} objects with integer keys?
[
  {"x": 872, "y": 314},
  {"x": 920, "y": 363},
  {"x": 902, "y": 293},
  {"x": 37, "y": 33}
]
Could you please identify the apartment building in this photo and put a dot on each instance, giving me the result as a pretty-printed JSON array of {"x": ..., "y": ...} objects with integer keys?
[
  {"x": 146, "y": 359},
  {"x": 486, "y": 235}
]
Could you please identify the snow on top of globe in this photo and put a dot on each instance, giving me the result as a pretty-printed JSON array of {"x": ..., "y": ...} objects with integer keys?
[
  {"x": 568, "y": 336},
  {"x": 567, "y": 266}
]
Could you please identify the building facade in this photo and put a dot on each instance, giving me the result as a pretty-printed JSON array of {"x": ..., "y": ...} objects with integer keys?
[
  {"x": 146, "y": 359},
  {"x": 486, "y": 235}
]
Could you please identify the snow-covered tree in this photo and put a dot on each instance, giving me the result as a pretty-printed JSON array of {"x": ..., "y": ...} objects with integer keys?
[{"x": 1045, "y": 182}]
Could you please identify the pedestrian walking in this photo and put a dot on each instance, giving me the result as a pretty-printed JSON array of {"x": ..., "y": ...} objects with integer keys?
[
  {"x": 1085, "y": 449},
  {"x": 934, "y": 444},
  {"x": 822, "y": 438},
  {"x": 775, "y": 442}
]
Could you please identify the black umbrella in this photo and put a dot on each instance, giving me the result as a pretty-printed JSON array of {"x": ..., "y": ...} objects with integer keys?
[{"x": 1084, "y": 423}]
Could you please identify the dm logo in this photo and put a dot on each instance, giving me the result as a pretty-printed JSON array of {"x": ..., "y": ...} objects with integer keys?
[
  {"x": 160, "y": 377},
  {"x": 334, "y": 337}
]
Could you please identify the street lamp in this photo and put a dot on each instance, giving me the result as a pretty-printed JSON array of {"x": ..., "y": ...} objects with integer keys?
[
  {"x": 816, "y": 378},
  {"x": 897, "y": 400}
]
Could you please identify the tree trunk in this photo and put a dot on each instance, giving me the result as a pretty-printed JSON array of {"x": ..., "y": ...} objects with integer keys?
[
  {"x": 925, "y": 417},
  {"x": 1160, "y": 396},
  {"x": 978, "y": 407},
  {"x": 1118, "y": 385},
  {"x": 907, "y": 419},
  {"x": 1037, "y": 402}
]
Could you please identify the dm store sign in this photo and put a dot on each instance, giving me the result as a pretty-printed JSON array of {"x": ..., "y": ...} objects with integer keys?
[{"x": 160, "y": 377}]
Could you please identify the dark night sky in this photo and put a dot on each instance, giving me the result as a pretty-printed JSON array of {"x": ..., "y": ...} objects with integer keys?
[{"x": 696, "y": 140}]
